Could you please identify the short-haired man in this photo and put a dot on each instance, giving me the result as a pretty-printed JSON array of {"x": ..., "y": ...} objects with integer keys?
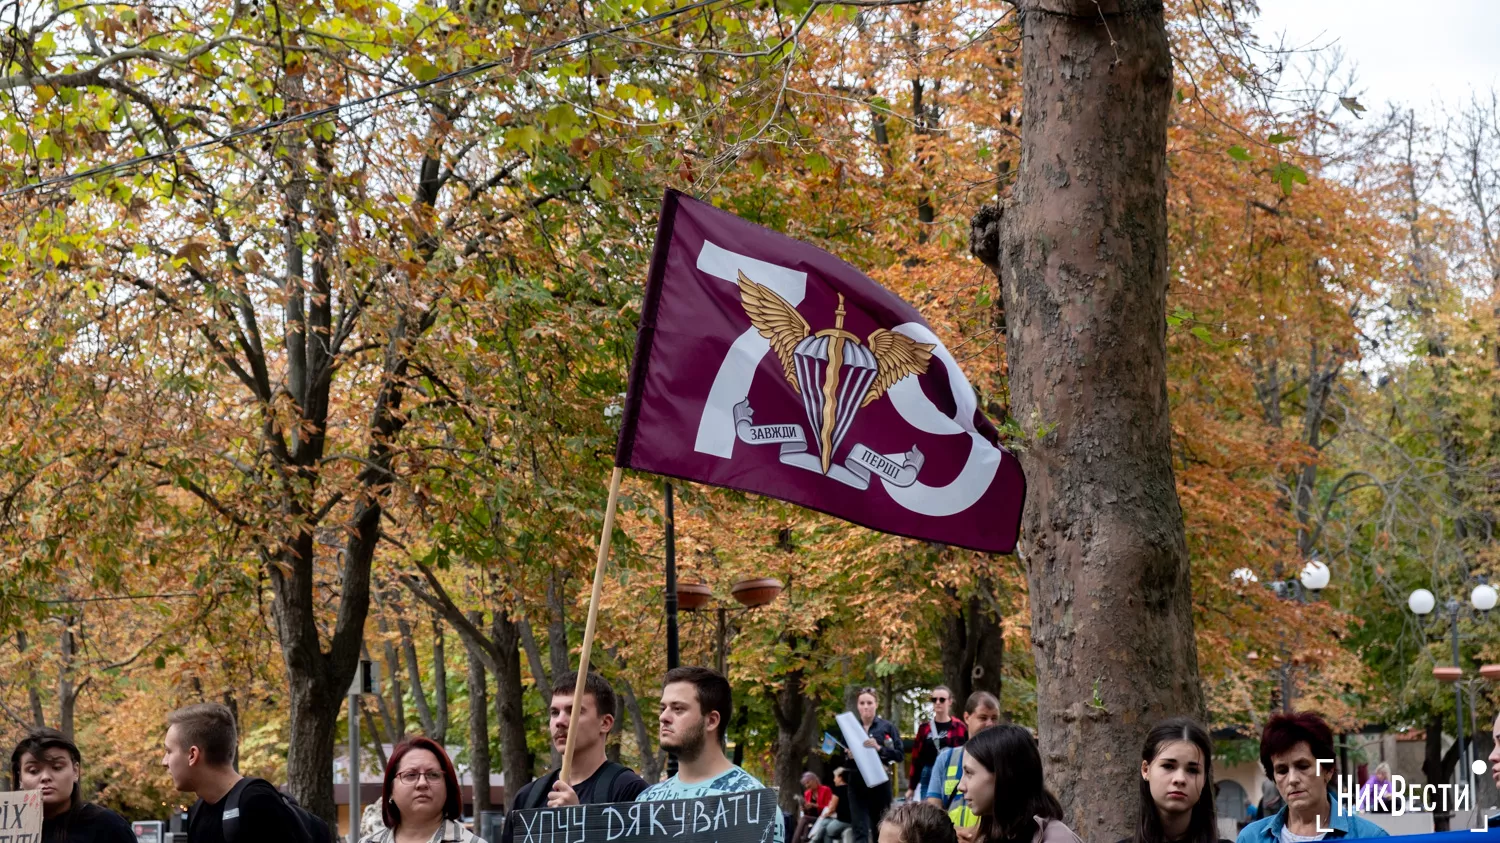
[
  {"x": 201, "y": 744},
  {"x": 594, "y": 779},
  {"x": 695, "y": 707}
]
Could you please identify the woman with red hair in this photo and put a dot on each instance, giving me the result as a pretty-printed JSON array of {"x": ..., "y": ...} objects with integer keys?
[
  {"x": 1296, "y": 752},
  {"x": 423, "y": 802}
]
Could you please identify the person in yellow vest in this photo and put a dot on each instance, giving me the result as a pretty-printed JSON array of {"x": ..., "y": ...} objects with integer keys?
[{"x": 981, "y": 711}]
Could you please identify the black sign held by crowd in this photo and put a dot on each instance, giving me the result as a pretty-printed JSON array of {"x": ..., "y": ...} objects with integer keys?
[
  {"x": 748, "y": 817},
  {"x": 21, "y": 816}
]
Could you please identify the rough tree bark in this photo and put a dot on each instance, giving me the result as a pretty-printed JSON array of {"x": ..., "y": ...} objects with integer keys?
[
  {"x": 479, "y": 721},
  {"x": 1081, "y": 252}
]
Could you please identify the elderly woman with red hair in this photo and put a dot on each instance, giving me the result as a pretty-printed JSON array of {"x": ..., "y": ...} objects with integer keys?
[
  {"x": 422, "y": 801},
  {"x": 1291, "y": 747}
]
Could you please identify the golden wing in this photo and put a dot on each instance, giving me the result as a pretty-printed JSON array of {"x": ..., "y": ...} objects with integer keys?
[
  {"x": 776, "y": 320},
  {"x": 896, "y": 356}
]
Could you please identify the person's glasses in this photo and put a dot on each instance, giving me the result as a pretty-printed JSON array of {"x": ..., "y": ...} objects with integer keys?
[
  {"x": 939, "y": 699},
  {"x": 410, "y": 777}
]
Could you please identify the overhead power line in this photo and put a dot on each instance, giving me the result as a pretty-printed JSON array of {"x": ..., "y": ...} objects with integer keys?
[{"x": 262, "y": 128}]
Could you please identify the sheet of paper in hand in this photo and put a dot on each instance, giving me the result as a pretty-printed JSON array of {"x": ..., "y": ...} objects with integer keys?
[
  {"x": 748, "y": 817},
  {"x": 21, "y": 816}
]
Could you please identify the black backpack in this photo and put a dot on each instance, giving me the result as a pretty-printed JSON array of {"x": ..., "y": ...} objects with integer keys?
[
  {"x": 537, "y": 798},
  {"x": 314, "y": 828}
]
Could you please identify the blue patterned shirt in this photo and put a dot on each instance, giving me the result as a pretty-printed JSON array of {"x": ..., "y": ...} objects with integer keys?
[{"x": 733, "y": 780}]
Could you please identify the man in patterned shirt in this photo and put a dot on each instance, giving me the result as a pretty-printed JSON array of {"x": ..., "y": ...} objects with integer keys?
[{"x": 695, "y": 707}]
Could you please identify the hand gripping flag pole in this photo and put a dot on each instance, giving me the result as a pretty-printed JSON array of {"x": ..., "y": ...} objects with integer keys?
[{"x": 588, "y": 630}]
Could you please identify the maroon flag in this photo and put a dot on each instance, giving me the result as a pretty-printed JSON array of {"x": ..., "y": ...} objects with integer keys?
[{"x": 768, "y": 365}]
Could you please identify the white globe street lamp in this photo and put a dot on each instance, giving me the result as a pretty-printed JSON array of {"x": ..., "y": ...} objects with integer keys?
[
  {"x": 1484, "y": 597},
  {"x": 1315, "y": 576},
  {"x": 1421, "y": 602}
]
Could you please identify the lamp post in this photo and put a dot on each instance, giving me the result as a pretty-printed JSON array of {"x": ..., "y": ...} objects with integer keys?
[
  {"x": 1315, "y": 577},
  {"x": 1422, "y": 602},
  {"x": 673, "y": 655},
  {"x": 751, "y": 594}
]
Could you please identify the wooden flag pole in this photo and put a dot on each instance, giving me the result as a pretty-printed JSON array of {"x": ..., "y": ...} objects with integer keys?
[{"x": 588, "y": 630}]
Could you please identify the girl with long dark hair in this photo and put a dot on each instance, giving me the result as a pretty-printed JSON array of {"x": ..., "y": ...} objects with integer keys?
[
  {"x": 1177, "y": 785},
  {"x": 1003, "y": 785},
  {"x": 46, "y": 760}
]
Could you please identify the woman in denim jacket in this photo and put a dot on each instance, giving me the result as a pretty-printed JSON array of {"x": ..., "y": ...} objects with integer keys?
[{"x": 1290, "y": 749}]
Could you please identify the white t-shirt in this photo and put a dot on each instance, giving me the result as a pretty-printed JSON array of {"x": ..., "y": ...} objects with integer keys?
[{"x": 1288, "y": 837}]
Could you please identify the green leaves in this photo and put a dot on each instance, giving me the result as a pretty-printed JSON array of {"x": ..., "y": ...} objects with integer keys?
[
  {"x": 1239, "y": 153},
  {"x": 1285, "y": 174}
]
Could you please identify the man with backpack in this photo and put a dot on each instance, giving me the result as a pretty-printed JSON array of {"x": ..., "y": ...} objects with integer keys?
[
  {"x": 201, "y": 745},
  {"x": 594, "y": 778}
]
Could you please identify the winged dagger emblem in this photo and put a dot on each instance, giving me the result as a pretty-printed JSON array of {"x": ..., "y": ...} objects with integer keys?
[{"x": 831, "y": 370}]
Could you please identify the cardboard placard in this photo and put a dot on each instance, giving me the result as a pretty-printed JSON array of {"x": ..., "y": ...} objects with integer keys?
[
  {"x": 748, "y": 817},
  {"x": 21, "y": 816}
]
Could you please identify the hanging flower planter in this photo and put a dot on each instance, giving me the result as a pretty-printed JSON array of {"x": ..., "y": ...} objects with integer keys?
[
  {"x": 756, "y": 592},
  {"x": 692, "y": 596}
]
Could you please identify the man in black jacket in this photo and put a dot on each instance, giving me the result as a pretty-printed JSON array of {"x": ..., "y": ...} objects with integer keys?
[
  {"x": 594, "y": 778},
  {"x": 201, "y": 743}
]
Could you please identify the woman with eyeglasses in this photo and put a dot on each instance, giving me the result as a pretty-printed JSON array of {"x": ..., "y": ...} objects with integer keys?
[
  {"x": 422, "y": 800},
  {"x": 942, "y": 731},
  {"x": 869, "y": 804}
]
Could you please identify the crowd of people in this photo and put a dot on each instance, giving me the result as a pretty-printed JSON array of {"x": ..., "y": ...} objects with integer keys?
[{"x": 973, "y": 779}]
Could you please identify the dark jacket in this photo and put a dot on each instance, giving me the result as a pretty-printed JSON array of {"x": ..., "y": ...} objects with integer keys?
[
  {"x": 892, "y": 751},
  {"x": 926, "y": 746}
]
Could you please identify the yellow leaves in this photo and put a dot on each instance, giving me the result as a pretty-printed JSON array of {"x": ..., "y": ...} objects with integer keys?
[{"x": 193, "y": 253}]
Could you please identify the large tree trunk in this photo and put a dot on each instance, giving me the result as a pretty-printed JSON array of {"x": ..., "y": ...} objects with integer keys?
[
  {"x": 510, "y": 705},
  {"x": 534, "y": 660},
  {"x": 432, "y": 715},
  {"x": 479, "y": 722},
  {"x": 1437, "y": 765},
  {"x": 1081, "y": 251},
  {"x": 67, "y": 693},
  {"x": 33, "y": 692},
  {"x": 393, "y": 675},
  {"x": 796, "y": 721},
  {"x": 557, "y": 626},
  {"x": 651, "y": 760},
  {"x": 973, "y": 647}
]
